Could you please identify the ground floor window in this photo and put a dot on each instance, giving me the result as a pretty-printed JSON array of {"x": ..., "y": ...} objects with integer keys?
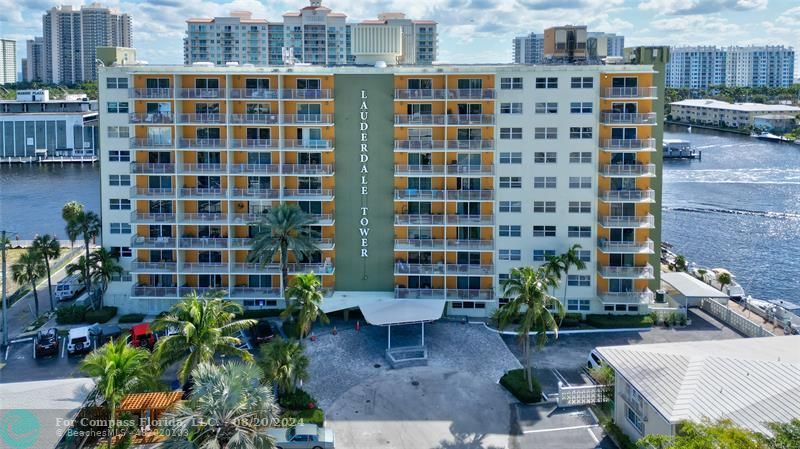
[
  {"x": 621, "y": 308},
  {"x": 467, "y": 305},
  {"x": 579, "y": 305},
  {"x": 634, "y": 419},
  {"x": 260, "y": 303}
]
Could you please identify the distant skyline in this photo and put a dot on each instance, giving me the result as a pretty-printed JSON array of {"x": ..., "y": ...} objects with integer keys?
[{"x": 470, "y": 31}]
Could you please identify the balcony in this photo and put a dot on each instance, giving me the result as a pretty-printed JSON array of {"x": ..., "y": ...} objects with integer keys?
[
  {"x": 255, "y": 144},
  {"x": 255, "y": 119},
  {"x": 470, "y": 119},
  {"x": 201, "y": 119},
  {"x": 469, "y": 294},
  {"x": 148, "y": 168},
  {"x": 256, "y": 292},
  {"x": 152, "y": 143},
  {"x": 205, "y": 267},
  {"x": 145, "y": 217},
  {"x": 418, "y": 195},
  {"x": 202, "y": 169},
  {"x": 308, "y": 194},
  {"x": 306, "y": 94},
  {"x": 261, "y": 169},
  {"x": 470, "y": 170},
  {"x": 154, "y": 118},
  {"x": 308, "y": 145},
  {"x": 307, "y": 119},
  {"x": 628, "y": 170},
  {"x": 643, "y": 221},
  {"x": 612, "y": 247},
  {"x": 630, "y": 92},
  {"x": 416, "y": 170},
  {"x": 448, "y": 294},
  {"x": 139, "y": 266},
  {"x": 202, "y": 143},
  {"x": 274, "y": 268},
  {"x": 403, "y": 268},
  {"x": 139, "y": 241},
  {"x": 643, "y": 297},
  {"x": 628, "y": 118},
  {"x": 203, "y": 218},
  {"x": 442, "y": 145},
  {"x": 308, "y": 169},
  {"x": 628, "y": 145},
  {"x": 146, "y": 192},
  {"x": 431, "y": 219},
  {"x": 470, "y": 219},
  {"x": 418, "y": 244},
  {"x": 203, "y": 192},
  {"x": 146, "y": 291},
  {"x": 645, "y": 272},
  {"x": 419, "y": 293},
  {"x": 471, "y": 94},
  {"x": 203, "y": 242},
  {"x": 469, "y": 195},
  {"x": 151, "y": 93},
  {"x": 323, "y": 219},
  {"x": 419, "y": 119},
  {"x": 255, "y": 193},
  {"x": 628, "y": 196},
  {"x": 420, "y": 94},
  {"x": 255, "y": 94},
  {"x": 469, "y": 244},
  {"x": 183, "y": 291},
  {"x": 200, "y": 93}
]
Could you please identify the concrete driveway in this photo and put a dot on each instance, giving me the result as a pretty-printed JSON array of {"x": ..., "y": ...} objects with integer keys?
[{"x": 543, "y": 426}]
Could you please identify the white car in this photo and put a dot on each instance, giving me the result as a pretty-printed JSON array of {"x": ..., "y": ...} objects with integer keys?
[
  {"x": 79, "y": 340},
  {"x": 303, "y": 436},
  {"x": 595, "y": 360}
]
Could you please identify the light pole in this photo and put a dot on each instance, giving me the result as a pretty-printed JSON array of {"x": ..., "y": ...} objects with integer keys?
[{"x": 3, "y": 245}]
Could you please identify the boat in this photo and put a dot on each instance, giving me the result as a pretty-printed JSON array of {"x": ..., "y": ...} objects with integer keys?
[
  {"x": 733, "y": 290},
  {"x": 680, "y": 149},
  {"x": 770, "y": 137}
]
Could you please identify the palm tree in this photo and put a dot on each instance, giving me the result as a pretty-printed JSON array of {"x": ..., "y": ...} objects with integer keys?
[
  {"x": 723, "y": 279},
  {"x": 554, "y": 267},
  {"x": 204, "y": 326},
  {"x": 49, "y": 249},
  {"x": 80, "y": 268},
  {"x": 82, "y": 223},
  {"x": 227, "y": 408},
  {"x": 530, "y": 303},
  {"x": 305, "y": 290},
  {"x": 283, "y": 228},
  {"x": 284, "y": 363},
  {"x": 103, "y": 266},
  {"x": 70, "y": 213},
  {"x": 28, "y": 269},
  {"x": 119, "y": 369},
  {"x": 571, "y": 259}
]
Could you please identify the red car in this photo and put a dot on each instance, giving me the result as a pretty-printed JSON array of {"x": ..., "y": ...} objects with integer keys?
[{"x": 142, "y": 336}]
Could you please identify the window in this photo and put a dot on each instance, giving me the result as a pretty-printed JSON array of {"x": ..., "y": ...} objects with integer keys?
[
  {"x": 119, "y": 131},
  {"x": 117, "y": 83},
  {"x": 580, "y": 107},
  {"x": 547, "y": 108},
  {"x": 584, "y": 157},
  {"x": 579, "y": 305},
  {"x": 544, "y": 231},
  {"x": 547, "y": 83},
  {"x": 545, "y": 207},
  {"x": 121, "y": 251},
  {"x": 511, "y": 83},
  {"x": 510, "y": 231},
  {"x": 114, "y": 107},
  {"x": 541, "y": 157},
  {"x": 584, "y": 255},
  {"x": 510, "y": 206},
  {"x": 582, "y": 82},
  {"x": 634, "y": 419},
  {"x": 544, "y": 133},
  {"x": 510, "y": 182},
  {"x": 579, "y": 280},
  {"x": 579, "y": 231},
  {"x": 580, "y": 207},
  {"x": 541, "y": 255},
  {"x": 511, "y": 158},
  {"x": 510, "y": 254},
  {"x": 119, "y": 156},
  {"x": 120, "y": 228},
  {"x": 119, "y": 180},
  {"x": 544, "y": 182},
  {"x": 119, "y": 204},
  {"x": 511, "y": 108},
  {"x": 511, "y": 133},
  {"x": 580, "y": 182},
  {"x": 580, "y": 132}
]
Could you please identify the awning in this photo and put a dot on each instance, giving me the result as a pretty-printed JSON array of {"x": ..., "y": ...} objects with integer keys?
[
  {"x": 349, "y": 300},
  {"x": 691, "y": 287},
  {"x": 402, "y": 311}
]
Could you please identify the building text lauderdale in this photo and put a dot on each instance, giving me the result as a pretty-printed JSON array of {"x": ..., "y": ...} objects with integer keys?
[{"x": 364, "y": 159}]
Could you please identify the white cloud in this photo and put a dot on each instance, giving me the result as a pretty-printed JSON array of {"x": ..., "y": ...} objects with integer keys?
[{"x": 701, "y": 6}]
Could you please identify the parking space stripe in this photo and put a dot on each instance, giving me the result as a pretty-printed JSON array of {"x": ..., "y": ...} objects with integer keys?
[
  {"x": 594, "y": 437},
  {"x": 558, "y": 429}
]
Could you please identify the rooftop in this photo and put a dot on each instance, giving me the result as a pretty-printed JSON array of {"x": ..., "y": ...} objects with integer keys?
[
  {"x": 743, "y": 107},
  {"x": 751, "y": 381}
]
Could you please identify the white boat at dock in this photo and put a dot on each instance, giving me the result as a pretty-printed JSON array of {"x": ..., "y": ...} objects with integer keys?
[
  {"x": 770, "y": 137},
  {"x": 680, "y": 149},
  {"x": 711, "y": 275}
]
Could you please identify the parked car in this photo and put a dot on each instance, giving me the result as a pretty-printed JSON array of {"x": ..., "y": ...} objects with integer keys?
[
  {"x": 67, "y": 288},
  {"x": 109, "y": 332},
  {"x": 261, "y": 333},
  {"x": 79, "y": 340},
  {"x": 46, "y": 343},
  {"x": 303, "y": 436},
  {"x": 595, "y": 360},
  {"x": 142, "y": 336}
]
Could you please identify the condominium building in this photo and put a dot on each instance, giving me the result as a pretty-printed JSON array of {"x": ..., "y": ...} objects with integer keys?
[
  {"x": 614, "y": 43},
  {"x": 703, "y": 66},
  {"x": 8, "y": 61},
  {"x": 426, "y": 183},
  {"x": 72, "y": 35},
  {"x": 530, "y": 49},
  {"x": 314, "y": 35},
  {"x": 35, "y": 56},
  {"x": 724, "y": 114}
]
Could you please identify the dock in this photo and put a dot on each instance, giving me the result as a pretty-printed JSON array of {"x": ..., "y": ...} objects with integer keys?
[
  {"x": 49, "y": 160},
  {"x": 680, "y": 149}
]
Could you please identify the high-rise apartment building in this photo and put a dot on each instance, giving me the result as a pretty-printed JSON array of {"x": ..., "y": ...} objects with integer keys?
[
  {"x": 530, "y": 49},
  {"x": 35, "y": 56},
  {"x": 72, "y": 35},
  {"x": 8, "y": 61},
  {"x": 313, "y": 35},
  {"x": 704, "y": 66},
  {"x": 614, "y": 43},
  {"x": 426, "y": 183}
]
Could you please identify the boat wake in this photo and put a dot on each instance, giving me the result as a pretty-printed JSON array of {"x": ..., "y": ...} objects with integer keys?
[
  {"x": 745, "y": 212},
  {"x": 736, "y": 176}
]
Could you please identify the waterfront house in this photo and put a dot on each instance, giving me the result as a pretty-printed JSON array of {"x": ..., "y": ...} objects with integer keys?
[{"x": 721, "y": 114}]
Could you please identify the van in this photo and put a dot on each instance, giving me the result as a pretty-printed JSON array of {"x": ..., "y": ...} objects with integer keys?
[
  {"x": 67, "y": 288},
  {"x": 79, "y": 340}
]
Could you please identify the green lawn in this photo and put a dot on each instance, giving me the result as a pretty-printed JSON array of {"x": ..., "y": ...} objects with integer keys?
[{"x": 514, "y": 381}]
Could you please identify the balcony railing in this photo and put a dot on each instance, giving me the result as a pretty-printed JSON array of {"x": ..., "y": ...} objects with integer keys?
[
  {"x": 414, "y": 244},
  {"x": 153, "y": 118},
  {"x": 470, "y": 119},
  {"x": 262, "y": 94},
  {"x": 201, "y": 143},
  {"x": 441, "y": 145},
  {"x": 643, "y": 221},
  {"x": 308, "y": 169},
  {"x": 479, "y": 145},
  {"x": 255, "y": 144},
  {"x": 449, "y": 294},
  {"x": 255, "y": 193},
  {"x": 441, "y": 94},
  {"x": 441, "y": 269},
  {"x": 467, "y": 244},
  {"x": 147, "y": 192},
  {"x": 471, "y": 94},
  {"x": 183, "y": 291},
  {"x": 139, "y": 241},
  {"x": 624, "y": 145},
  {"x": 419, "y": 293},
  {"x": 308, "y": 145},
  {"x": 152, "y": 143},
  {"x": 628, "y": 170},
  {"x": 145, "y": 217},
  {"x": 203, "y": 168},
  {"x": 204, "y": 267},
  {"x": 306, "y": 119},
  {"x": 471, "y": 219},
  {"x": 153, "y": 267},
  {"x": 256, "y": 119},
  {"x": 256, "y": 292},
  {"x": 464, "y": 169},
  {"x": 146, "y": 291},
  {"x": 266, "y": 169},
  {"x": 629, "y": 118},
  {"x": 419, "y": 119},
  {"x": 644, "y": 272},
  {"x": 200, "y": 93},
  {"x": 146, "y": 168},
  {"x": 160, "y": 92},
  {"x": 202, "y": 118},
  {"x": 325, "y": 194},
  {"x": 641, "y": 247},
  {"x": 203, "y": 192},
  {"x": 470, "y": 195},
  {"x": 468, "y": 294},
  {"x": 643, "y": 297},
  {"x": 418, "y": 169},
  {"x": 628, "y": 196},
  {"x": 630, "y": 92},
  {"x": 407, "y": 219},
  {"x": 204, "y": 217},
  {"x": 306, "y": 94},
  {"x": 203, "y": 242},
  {"x": 414, "y": 194}
]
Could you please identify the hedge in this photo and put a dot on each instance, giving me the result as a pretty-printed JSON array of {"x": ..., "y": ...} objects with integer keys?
[
  {"x": 131, "y": 318},
  {"x": 619, "y": 321},
  {"x": 100, "y": 315},
  {"x": 514, "y": 381},
  {"x": 72, "y": 314},
  {"x": 307, "y": 416},
  {"x": 291, "y": 329},
  {"x": 298, "y": 400},
  {"x": 570, "y": 320}
]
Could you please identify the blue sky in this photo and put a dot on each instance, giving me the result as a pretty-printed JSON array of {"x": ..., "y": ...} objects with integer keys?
[{"x": 470, "y": 31}]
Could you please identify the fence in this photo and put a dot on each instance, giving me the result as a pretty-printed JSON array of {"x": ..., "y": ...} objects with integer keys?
[
  {"x": 733, "y": 319},
  {"x": 584, "y": 394}
]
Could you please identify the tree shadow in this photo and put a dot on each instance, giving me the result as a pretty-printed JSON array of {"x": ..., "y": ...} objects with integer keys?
[{"x": 465, "y": 440}]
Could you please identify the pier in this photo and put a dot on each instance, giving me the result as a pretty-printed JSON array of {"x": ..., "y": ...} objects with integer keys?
[{"x": 49, "y": 160}]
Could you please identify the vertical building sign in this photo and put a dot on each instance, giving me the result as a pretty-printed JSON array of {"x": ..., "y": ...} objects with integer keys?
[{"x": 364, "y": 172}]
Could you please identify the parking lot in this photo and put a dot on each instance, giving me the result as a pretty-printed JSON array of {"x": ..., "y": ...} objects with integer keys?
[
  {"x": 543, "y": 426},
  {"x": 21, "y": 366}
]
